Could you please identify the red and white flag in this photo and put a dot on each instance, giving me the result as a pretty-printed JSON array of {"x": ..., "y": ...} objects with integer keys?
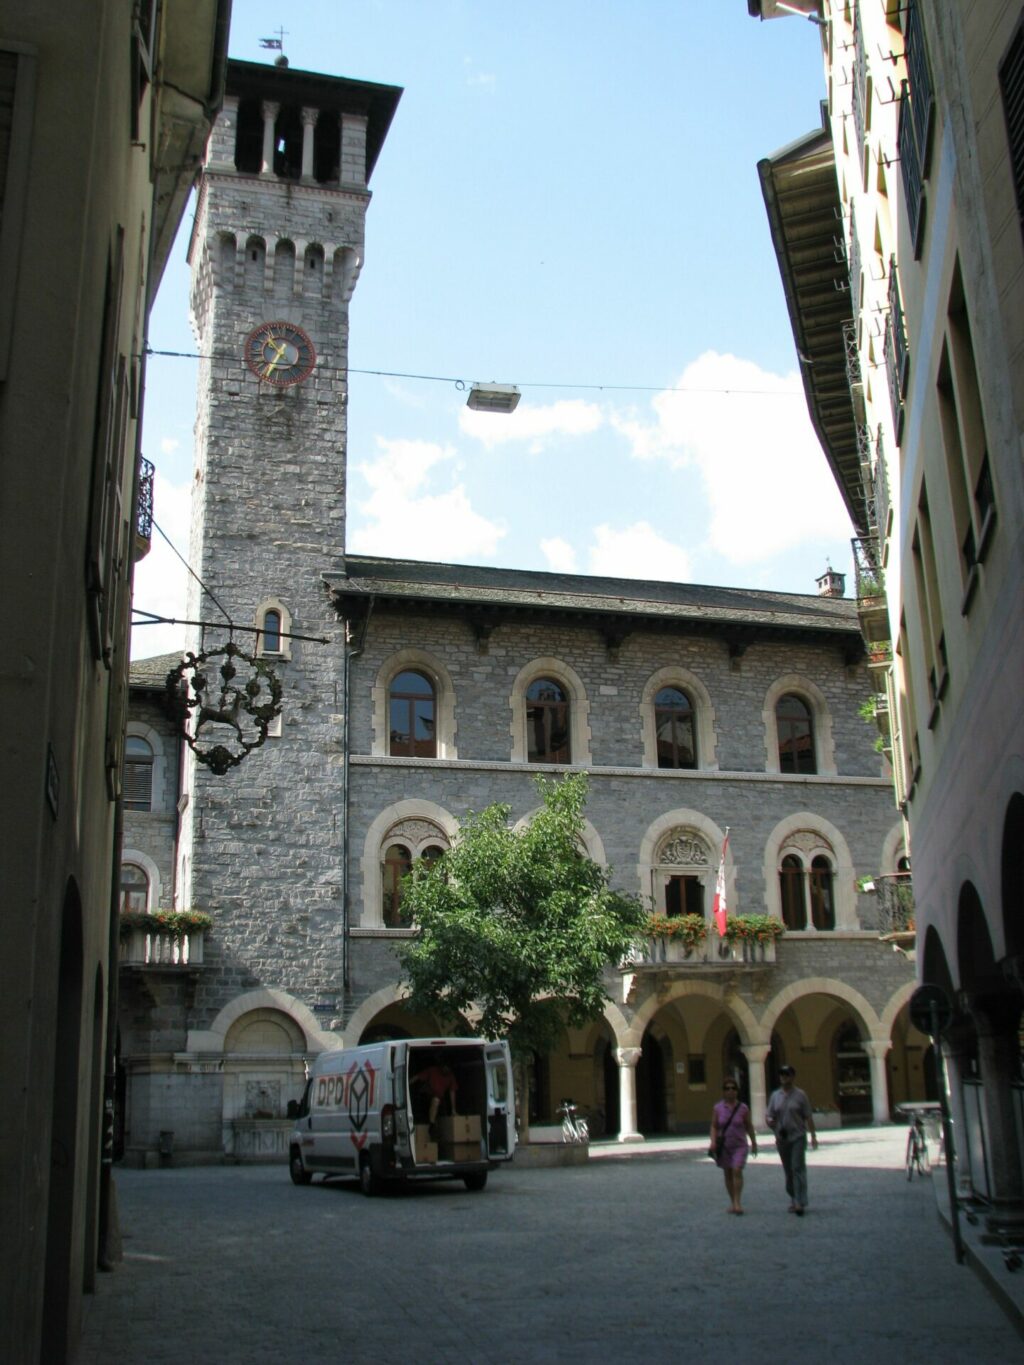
[{"x": 721, "y": 908}]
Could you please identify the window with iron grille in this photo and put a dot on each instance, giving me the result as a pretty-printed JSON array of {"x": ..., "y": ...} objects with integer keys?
[
  {"x": 897, "y": 358},
  {"x": 917, "y": 104},
  {"x": 860, "y": 80},
  {"x": 1011, "y": 85}
]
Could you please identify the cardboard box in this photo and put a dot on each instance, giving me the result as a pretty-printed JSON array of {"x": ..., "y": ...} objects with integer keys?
[
  {"x": 459, "y": 1128},
  {"x": 460, "y": 1151},
  {"x": 424, "y": 1147}
]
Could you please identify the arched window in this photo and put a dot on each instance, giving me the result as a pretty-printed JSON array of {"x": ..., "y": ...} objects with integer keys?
[
  {"x": 807, "y": 884},
  {"x": 791, "y": 886},
  {"x": 134, "y": 889},
  {"x": 288, "y": 143},
  {"x": 408, "y": 842},
  {"x": 796, "y": 735},
  {"x": 823, "y": 910},
  {"x": 412, "y": 705},
  {"x": 547, "y": 722},
  {"x": 682, "y": 868},
  {"x": 327, "y": 147},
  {"x": 138, "y": 774},
  {"x": 673, "y": 720},
  {"x": 271, "y": 632},
  {"x": 397, "y": 864},
  {"x": 273, "y": 622}
]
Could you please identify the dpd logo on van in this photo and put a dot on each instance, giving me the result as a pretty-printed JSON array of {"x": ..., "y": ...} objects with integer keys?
[{"x": 359, "y": 1087}]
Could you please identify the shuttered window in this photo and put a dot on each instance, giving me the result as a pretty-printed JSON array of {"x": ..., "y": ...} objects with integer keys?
[
  {"x": 17, "y": 88},
  {"x": 138, "y": 774},
  {"x": 1011, "y": 84}
]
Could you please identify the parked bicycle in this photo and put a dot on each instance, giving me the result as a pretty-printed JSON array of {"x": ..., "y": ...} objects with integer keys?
[{"x": 574, "y": 1124}]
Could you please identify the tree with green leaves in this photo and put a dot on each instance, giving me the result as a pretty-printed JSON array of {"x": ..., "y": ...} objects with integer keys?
[{"x": 519, "y": 924}]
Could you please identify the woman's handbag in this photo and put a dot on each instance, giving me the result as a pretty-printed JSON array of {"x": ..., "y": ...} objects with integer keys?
[{"x": 719, "y": 1147}]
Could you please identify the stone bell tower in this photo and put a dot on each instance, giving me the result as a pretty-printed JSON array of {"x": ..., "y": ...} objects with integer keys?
[{"x": 275, "y": 254}]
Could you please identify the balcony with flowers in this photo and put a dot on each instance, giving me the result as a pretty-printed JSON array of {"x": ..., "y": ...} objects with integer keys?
[
  {"x": 169, "y": 939},
  {"x": 691, "y": 942}
]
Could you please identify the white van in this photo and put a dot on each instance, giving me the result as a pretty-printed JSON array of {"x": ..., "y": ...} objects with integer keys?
[{"x": 419, "y": 1108}]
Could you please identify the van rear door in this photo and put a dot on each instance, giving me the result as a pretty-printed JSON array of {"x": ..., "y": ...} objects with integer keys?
[
  {"x": 501, "y": 1126},
  {"x": 400, "y": 1095}
]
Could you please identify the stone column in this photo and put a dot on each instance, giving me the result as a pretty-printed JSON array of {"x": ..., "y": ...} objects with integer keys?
[
  {"x": 220, "y": 150},
  {"x": 269, "y": 110},
  {"x": 309, "y": 118},
  {"x": 627, "y": 1058},
  {"x": 353, "y": 149},
  {"x": 998, "y": 1057},
  {"x": 952, "y": 1072},
  {"x": 877, "y": 1050},
  {"x": 755, "y": 1054}
]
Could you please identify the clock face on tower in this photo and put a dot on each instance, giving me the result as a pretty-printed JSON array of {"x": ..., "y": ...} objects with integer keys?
[{"x": 279, "y": 353}]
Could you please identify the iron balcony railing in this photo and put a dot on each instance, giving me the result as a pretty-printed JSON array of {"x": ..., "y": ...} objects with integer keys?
[
  {"x": 894, "y": 895},
  {"x": 144, "y": 509}
]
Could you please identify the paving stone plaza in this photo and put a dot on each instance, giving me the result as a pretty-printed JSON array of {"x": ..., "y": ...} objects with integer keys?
[{"x": 628, "y": 1258}]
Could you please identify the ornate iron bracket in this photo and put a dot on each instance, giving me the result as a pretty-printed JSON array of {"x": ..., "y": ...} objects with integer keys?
[{"x": 194, "y": 703}]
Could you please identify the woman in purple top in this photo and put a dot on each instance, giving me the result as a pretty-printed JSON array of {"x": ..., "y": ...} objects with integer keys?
[{"x": 730, "y": 1121}]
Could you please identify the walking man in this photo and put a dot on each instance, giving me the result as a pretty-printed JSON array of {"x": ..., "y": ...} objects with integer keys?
[{"x": 790, "y": 1119}]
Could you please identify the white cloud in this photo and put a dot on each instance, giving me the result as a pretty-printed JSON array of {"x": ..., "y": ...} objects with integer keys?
[
  {"x": 169, "y": 445},
  {"x": 533, "y": 425},
  {"x": 747, "y": 433},
  {"x": 560, "y": 555},
  {"x": 477, "y": 79},
  {"x": 161, "y": 579},
  {"x": 402, "y": 518},
  {"x": 637, "y": 551}
]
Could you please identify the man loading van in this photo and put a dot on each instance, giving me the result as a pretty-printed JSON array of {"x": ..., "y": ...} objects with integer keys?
[{"x": 438, "y": 1082}]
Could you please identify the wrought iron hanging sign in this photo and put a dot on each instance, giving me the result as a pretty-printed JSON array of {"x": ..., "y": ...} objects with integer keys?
[{"x": 223, "y": 721}]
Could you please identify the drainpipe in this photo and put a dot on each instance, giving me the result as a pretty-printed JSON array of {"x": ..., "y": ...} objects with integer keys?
[
  {"x": 108, "y": 1240},
  {"x": 349, "y": 655}
]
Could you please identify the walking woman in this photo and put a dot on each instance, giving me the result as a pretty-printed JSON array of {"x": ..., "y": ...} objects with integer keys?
[{"x": 730, "y": 1129}]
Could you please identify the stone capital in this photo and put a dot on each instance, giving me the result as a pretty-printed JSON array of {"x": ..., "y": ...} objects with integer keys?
[
  {"x": 878, "y": 1048},
  {"x": 627, "y": 1056}
]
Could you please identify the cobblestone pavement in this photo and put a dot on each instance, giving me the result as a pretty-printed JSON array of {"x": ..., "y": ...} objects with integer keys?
[{"x": 624, "y": 1259}]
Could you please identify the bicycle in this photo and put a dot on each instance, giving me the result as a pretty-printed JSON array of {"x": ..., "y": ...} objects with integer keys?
[
  {"x": 574, "y": 1125},
  {"x": 917, "y": 1148}
]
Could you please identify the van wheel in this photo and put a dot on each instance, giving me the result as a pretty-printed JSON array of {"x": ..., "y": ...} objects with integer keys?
[
  {"x": 298, "y": 1172},
  {"x": 369, "y": 1182},
  {"x": 476, "y": 1181}
]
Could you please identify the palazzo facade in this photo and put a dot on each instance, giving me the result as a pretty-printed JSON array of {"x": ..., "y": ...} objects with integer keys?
[{"x": 416, "y": 692}]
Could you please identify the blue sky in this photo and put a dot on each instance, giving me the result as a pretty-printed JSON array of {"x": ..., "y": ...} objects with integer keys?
[{"x": 567, "y": 200}]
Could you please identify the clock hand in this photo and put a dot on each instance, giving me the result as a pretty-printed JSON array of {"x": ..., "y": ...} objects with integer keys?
[{"x": 279, "y": 351}]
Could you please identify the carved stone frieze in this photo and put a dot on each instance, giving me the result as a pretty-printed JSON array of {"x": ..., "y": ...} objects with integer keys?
[{"x": 683, "y": 848}]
